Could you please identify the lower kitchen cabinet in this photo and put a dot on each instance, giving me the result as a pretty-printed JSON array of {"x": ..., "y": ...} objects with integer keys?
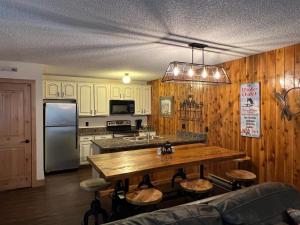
[
  {"x": 86, "y": 146},
  {"x": 85, "y": 151}
]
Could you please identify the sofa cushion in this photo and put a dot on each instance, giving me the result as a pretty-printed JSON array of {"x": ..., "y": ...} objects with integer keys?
[
  {"x": 294, "y": 214},
  {"x": 261, "y": 204},
  {"x": 179, "y": 215}
]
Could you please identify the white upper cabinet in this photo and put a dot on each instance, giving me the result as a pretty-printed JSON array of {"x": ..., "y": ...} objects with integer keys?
[
  {"x": 93, "y": 98},
  {"x": 60, "y": 90},
  {"x": 142, "y": 94},
  {"x": 69, "y": 90},
  {"x": 52, "y": 89},
  {"x": 102, "y": 96},
  {"x": 123, "y": 92},
  {"x": 85, "y": 98}
]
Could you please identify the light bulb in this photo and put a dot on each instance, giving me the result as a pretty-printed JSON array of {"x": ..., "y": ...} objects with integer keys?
[
  {"x": 176, "y": 71},
  {"x": 217, "y": 75},
  {"x": 204, "y": 73},
  {"x": 126, "y": 79},
  {"x": 191, "y": 71}
]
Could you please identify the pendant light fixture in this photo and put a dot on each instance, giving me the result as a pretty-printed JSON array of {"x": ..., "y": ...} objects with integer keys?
[
  {"x": 126, "y": 79},
  {"x": 185, "y": 72}
]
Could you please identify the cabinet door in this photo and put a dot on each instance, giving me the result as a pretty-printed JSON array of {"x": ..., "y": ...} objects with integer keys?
[
  {"x": 53, "y": 89},
  {"x": 138, "y": 99},
  {"x": 128, "y": 92},
  {"x": 147, "y": 100},
  {"x": 85, "y": 151},
  {"x": 68, "y": 90},
  {"x": 101, "y": 92},
  {"x": 116, "y": 91},
  {"x": 85, "y": 99}
]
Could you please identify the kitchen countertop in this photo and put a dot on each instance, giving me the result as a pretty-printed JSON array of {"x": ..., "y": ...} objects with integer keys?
[{"x": 121, "y": 144}]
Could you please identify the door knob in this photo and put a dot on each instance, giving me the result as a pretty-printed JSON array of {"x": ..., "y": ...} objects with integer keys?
[{"x": 26, "y": 141}]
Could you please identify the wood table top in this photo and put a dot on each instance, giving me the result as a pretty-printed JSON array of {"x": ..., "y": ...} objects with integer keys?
[{"x": 120, "y": 165}]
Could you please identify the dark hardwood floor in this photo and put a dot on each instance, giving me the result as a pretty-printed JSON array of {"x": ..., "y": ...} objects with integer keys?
[{"x": 59, "y": 202}]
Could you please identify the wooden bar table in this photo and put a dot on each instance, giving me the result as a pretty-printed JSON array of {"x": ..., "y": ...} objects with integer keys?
[
  {"x": 122, "y": 165},
  {"x": 119, "y": 166}
]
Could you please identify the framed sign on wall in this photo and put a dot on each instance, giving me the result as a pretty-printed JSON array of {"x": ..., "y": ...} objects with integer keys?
[
  {"x": 166, "y": 106},
  {"x": 250, "y": 109}
]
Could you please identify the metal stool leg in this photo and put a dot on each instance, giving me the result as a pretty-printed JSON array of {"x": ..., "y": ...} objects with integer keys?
[{"x": 180, "y": 173}]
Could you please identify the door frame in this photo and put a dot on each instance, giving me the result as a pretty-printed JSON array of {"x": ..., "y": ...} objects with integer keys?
[{"x": 32, "y": 85}]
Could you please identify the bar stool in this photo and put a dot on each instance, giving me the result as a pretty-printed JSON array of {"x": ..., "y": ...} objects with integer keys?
[
  {"x": 241, "y": 177},
  {"x": 196, "y": 186},
  {"x": 144, "y": 197},
  {"x": 94, "y": 185}
]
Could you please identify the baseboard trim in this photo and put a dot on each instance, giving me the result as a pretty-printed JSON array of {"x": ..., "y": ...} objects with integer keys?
[{"x": 38, "y": 183}]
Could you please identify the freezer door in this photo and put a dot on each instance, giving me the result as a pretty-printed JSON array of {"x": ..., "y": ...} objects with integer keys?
[
  {"x": 60, "y": 114},
  {"x": 60, "y": 148}
]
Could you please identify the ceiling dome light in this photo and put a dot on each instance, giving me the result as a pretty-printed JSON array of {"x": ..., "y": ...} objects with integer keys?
[
  {"x": 176, "y": 71},
  {"x": 191, "y": 71},
  {"x": 126, "y": 79},
  {"x": 204, "y": 73},
  {"x": 217, "y": 75}
]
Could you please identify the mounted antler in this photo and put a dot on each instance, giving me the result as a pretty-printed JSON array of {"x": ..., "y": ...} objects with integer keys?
[{"x": 286, "y": 113}]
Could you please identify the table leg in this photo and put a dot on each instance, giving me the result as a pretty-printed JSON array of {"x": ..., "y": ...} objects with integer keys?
[
  {"x": 201, "y": 171},
  {"x": 146, "y": 182},
  {"x": 118, "y": 200}
]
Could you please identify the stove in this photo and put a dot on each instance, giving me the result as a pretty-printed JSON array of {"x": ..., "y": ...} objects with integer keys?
[{"x": 121, "y": 128}]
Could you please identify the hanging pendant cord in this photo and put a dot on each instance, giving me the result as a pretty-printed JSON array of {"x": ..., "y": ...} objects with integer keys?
[
  {"x": 192, "y": 55},
  {"x": 203, "y": 56}
]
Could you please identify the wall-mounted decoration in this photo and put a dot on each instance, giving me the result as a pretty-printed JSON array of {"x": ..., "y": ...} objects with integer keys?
[
  {"x": 289, "y": 101},
  {"x": 250, "y": 109},
  {"x": 166, "y": 106},
  {"x": 191, "y": 110}
]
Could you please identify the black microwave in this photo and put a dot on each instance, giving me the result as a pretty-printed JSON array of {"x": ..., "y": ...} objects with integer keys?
[{"x": 121, "y": 107}]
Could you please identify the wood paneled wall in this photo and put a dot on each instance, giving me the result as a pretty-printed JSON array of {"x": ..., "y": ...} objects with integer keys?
[{"x": 276, "y": 155}]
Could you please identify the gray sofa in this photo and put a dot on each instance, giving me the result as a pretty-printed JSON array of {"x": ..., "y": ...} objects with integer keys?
[{"x": 263, "y": 204}]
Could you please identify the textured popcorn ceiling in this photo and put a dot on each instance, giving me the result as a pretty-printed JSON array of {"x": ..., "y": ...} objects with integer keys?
[{"x": 106, "y": 38}]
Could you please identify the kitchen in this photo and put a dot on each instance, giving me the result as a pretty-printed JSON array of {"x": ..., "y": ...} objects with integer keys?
[{"x": 113, "y": 108}]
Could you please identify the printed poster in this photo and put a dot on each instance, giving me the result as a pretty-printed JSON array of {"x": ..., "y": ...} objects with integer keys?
[{"x": 250, "y": 110}]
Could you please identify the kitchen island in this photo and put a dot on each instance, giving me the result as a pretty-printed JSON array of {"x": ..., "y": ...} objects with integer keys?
[{"x": 140, "y": 142}]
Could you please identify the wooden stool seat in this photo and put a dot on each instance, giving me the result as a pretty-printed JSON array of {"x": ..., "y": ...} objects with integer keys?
[
  {"x": 241, "y": 160},
  {"x": 241, "y": 175},
  {"x": 196, "y": 185},
  {"x": 94, "y": 184},
  {"x": 142, "y": 197}
]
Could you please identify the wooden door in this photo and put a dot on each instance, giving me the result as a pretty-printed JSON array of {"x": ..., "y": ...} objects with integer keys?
[
  {"x": 68, "y": 90},
  {"x": 85, "y": 99},
  {"x": 15, "y": 135},
  {"x": 101, "y": 99},
  {"x": 53, "y": 89}
]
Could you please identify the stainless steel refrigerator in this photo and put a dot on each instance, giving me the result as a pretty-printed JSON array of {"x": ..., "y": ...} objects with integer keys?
[{"x": 61, "y": 150}]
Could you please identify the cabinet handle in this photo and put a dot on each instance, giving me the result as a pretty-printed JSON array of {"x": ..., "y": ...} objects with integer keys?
[
  {"x": 57, "y": 94},
  {"x": 120, "y": 95},
  {"x": 94, "y": 111},
  {"x": 91, "y": 112}
]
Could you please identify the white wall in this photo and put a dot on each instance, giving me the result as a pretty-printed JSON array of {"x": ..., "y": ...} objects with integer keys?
[{"x": 31, "y": 71}]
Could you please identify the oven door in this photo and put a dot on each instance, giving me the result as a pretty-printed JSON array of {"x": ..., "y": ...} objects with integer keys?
[{"x": 121, "y": 107}]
